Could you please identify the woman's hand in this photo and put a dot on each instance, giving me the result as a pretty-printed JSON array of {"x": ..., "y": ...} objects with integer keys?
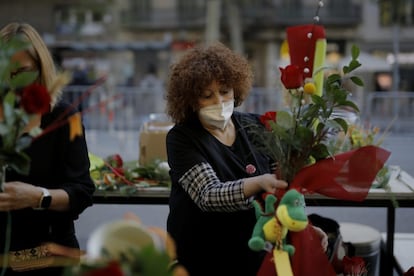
[
  {"x": 18, "y": 195},
  {"x": 266, "y": 182},
  {"x": 322, "y": 235},
  {"x": 270, "y": 183}
]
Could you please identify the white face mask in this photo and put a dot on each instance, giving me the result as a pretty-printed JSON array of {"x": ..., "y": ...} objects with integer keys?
[{"x": 217, "y": 115}]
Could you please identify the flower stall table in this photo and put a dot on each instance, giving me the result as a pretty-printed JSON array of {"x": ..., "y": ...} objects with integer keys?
[
  {"x": 401, "y": 192},
  {"x": 153, "y": 195}
]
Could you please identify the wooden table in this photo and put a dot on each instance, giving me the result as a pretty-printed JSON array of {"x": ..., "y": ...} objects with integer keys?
[{"x": 401, "y": 193}]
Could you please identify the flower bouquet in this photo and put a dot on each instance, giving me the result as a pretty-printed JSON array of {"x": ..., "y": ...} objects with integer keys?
[
  {"x": 298, "y": 140},
  {"x": 22, "y": 100},
  {"x": 112, "y": 173}
]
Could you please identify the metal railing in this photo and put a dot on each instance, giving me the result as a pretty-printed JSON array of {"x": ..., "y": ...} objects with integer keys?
[
  {"x": 127, "y": 108},
  {"x": 394, "y": 109},
  {"x": 115, "y": 108}
]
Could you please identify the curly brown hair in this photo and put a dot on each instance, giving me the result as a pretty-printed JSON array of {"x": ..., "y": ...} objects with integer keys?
[{"x": 196, "y": 70}]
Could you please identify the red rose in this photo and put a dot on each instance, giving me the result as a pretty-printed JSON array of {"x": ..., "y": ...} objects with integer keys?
[
  {"x": 268, "y": 116},
  {"x": 354, "y": 266},
  {"x": 292, "y": 76},
  {"x": 35, "y": 99},
  {"x": 115, "y": 161}
]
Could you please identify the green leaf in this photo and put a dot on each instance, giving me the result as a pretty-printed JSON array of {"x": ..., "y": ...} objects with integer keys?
[
  {"x": 340, "y": 96},
  {"x": 334, "y": 78},
  {"x": 320, "y": 151},
  {"x": 320, "y": 127},
  {"x": 23, "y": 142},
  {"x": 8, "y": 105},
  {"x": 15, "y": 45},
  {"x": 3, "y": 129},
  {"x": 318, "y": 100},
  {"x": 351, "y": 104},
  {"x": 345, "y": 69},
  {"x": 355, "y": 51},
  {"x": 342, "y": 123},
  {"x": 358, "y": 81},
  {"x": 35, "y": 131},
  {"x": 285, "y": 119},
  {"x": 311, "y": 114},
  {"x": 14, "y": 118},
  {"x": 280, "y": 132},
  {"x": 304, "y": 136},
  {"x": 354, "y": 64},
  {"x": 23, "y": 79}
]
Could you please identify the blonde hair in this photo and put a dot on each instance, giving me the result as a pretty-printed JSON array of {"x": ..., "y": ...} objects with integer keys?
[{"x": 39, "y": 52}]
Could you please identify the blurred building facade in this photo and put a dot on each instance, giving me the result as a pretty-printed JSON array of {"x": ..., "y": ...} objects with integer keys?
[{"x": 124, "y": 37}]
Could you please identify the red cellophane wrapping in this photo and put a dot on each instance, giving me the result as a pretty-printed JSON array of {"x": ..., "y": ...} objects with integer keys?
[{"x": 346, "y": 176}]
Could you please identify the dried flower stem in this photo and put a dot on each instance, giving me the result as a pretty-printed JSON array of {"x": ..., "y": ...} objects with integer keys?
[{"x": 126, "y": 181}]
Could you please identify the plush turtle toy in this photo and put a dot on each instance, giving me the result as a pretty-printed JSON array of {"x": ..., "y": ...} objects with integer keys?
[{"x": 274, "y": 223}]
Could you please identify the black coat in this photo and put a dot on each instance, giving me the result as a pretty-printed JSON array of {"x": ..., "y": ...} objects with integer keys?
[
  {"x": 56, "y": 163},
  {"x": 213, "y": 242}
]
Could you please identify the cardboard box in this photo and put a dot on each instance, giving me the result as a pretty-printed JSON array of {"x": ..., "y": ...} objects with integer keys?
[{"x": 152, "y": 144}]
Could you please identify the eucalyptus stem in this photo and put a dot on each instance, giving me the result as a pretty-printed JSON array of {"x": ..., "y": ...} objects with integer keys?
[
  {"x": 296, "y": 116},
  {"x": 299, "y": 109}
]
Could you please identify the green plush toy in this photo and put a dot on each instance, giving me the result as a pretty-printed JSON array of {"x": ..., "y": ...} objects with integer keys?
[
  {"x": 274, "y": 223},
  {"x": 257, "y": 241}
]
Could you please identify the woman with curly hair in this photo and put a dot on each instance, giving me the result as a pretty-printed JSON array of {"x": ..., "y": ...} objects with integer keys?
[{"x": 216, "y": 171}]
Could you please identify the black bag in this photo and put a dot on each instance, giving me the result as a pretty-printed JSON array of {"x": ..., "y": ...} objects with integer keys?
[{"x": 337, "y": 248}]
